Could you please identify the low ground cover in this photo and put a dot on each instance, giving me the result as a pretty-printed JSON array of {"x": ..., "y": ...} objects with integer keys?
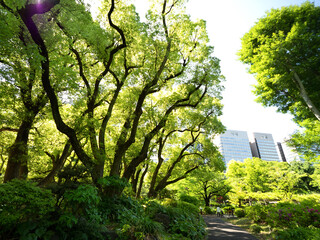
[
  {"x": 80, "y": 212},
  {"x": 284, "y": 220}
]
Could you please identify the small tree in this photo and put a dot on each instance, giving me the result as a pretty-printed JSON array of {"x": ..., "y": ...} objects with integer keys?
[{"x": 207, "y": 184}]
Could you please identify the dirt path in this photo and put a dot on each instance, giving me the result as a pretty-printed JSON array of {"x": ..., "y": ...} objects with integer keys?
[{"x": 221, "y": 230}]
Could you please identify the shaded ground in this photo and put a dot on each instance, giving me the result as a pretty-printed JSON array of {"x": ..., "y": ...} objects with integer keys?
[{"x": 221, "y": 230}]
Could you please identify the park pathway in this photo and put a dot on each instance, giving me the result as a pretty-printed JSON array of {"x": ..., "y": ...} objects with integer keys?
[{"x": 221, "y": 230}]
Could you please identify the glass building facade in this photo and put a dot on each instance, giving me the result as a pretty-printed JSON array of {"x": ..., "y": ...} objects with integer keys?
[
  {"x": 287, "y": 153},
  {"x": 234, "y": 145},
  {"x": 265, "y": 147}
]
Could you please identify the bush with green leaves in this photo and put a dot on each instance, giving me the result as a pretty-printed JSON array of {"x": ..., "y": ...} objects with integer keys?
[
  {"x": 29, "y": 212},
  {"x": 181, "y": 219},
  {"x": 310, "y": 233},
  {"x": 292, "y": 215},
  {"x": 258, "y": 212},
  {"x": 131, "y": 218},
  {"x": 152, "y": 208},
  {"x": 255, "y": 228},
  {"x": 239, "y": 212},
  {"x": 187, "y": 224},
  {"x": 137, "y": 225},
  {"x": 24, "y": 206},
  {"x": 79, "y": 217},
  {"x": 82, "y": 203},
  {"x": 189, "y": 199},
  {"x": 188, "y": 207},
  {"x": 208, "y": 210},
  {"x": 185, "y": 219}
]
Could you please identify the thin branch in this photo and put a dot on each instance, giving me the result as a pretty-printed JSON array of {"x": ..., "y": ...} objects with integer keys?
[{"x": 9, "y": 129}]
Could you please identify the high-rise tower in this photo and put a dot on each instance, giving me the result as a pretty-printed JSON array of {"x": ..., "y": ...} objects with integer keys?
[
  {"x": 264, "y": 147},
  {"x": 234, "y": 145}
]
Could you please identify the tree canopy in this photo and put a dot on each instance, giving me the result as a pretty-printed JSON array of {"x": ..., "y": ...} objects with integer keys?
[
  {"x": 282, "y": 51},
  {"x": 269, "y": 180},
  {"x": 115, "y": 88}
]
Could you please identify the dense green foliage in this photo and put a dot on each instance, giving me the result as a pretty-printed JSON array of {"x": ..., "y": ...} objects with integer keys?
[
  {"x": 97, "y": 110},
  {"x": 30, "y": 212},
  {"x": 282, "y": 50},
  {"x": 258, "y": 180},
  {"x": 22, "y": 203},
  {"x": 306, "y": 142},
  {"x": 239, "y": 212},
  {"x": 310, "y": 233},
  {"x": 120, "y": 94},
  {"x": 287, "y": 220}
]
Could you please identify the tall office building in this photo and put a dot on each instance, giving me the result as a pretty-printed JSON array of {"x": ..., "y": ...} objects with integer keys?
[
  {"x": 287, "y": 153},
  {"x": 264, "y": 147},
  {"x": 234, "y": 145}
]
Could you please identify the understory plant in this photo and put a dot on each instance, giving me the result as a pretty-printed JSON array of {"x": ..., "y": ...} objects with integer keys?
[
  {"x": 181, "y": 219},
  {"x": 82, "y": 212},
  {"x": 290, "y": 215},
  {"x": 288, "y": 220},
  {"x": 25, "y": 209}
]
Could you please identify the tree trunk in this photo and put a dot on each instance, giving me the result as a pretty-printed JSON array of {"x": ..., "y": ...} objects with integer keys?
[
  {"x": 141, "y": 181},
  {"x": 97, "y": 172},
  {"x": 207, "y": 201},
  {"x": 152, "y": 192},
  {"x": 17, "y": 166},
  {"x": 134, "y": 181},
  {"x": 57, "y": 165}
]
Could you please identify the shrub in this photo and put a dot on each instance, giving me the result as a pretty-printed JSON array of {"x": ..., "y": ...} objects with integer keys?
[
  {"x": 255, "y": 228},
  {"x": 291, "y": 215},
  {"x": 23, "y": 204},
  {"x": 258, "y": 213},
  {"x": 79, "y": 217},
  {"x": 138, "y": 225},
  {"x": 153, "y": 208},
  {"x": 239, "y": 212},
  {"x": 189, "y": 199},
  {"x": 188, "y": 225},
  {"x": 188, "y": 207},
  {"x": 82, "y": 202},
  {"x": 208, "y": 210},
  {"x": 181, "y": 219},
  {"x": 132, "y": 220},
  {"x": 297, "y": 233},
  {"x": 169, "y": 202}
]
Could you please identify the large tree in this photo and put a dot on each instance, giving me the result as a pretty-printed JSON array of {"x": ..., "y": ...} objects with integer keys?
[
  {"x": 282, "y": 51},
  {"x": 21, "y": 97},
  {"x": 126, "y": 79}
]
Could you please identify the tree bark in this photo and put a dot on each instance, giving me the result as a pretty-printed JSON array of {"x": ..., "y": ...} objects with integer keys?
[
  {"x": 304, "y": 95},
  {"x": 26, "y": 15},
  {"x": 152, "y": 192},
  {"x": 58, "y": 163},
  {"x": 17, "y": 165},
  {"x": 135, "y": 179},
  {"x": 138, "y": 194},
  {"x": 207, "y": 201}
]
